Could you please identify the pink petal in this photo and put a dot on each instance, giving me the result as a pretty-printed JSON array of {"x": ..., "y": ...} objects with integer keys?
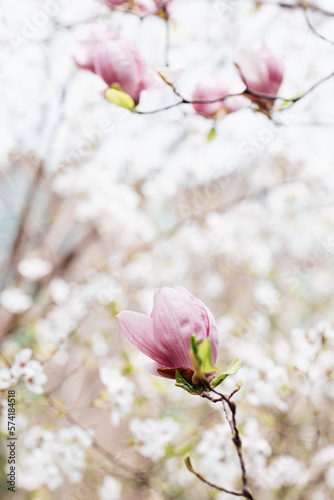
[
  {"x": 117, "y": 61},
  {"x": 153, "y": 368},
  {"x": 175, "y": 320},
  {"x": 214, "y": 336},
  {"x": 138, "y": 330},
  {"x": 209, "y": 322}
]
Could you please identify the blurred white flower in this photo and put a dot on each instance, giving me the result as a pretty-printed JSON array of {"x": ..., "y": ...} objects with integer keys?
[
  {"x": 76, "y": 434},
  {"x": 152, "y": 436},
  {"x": 6, "y": 378},
  {"x": 30, "y": 370},
  {"x": 110, "y": 489},
  {"x": 34, "y": 269},
  {"x": 217, "y": 458},
  {"x": 59, "y": 290},
  {"x": 15, "y": 300},
  {"x": 284, "y": 471},
  {"x": 99, "y": 345},
  {"x": 34, "y": 377},
  {"x": 61, "y": 455},
  {"x": 20, "y": 362},
  {"x": 121, "y": 391}
]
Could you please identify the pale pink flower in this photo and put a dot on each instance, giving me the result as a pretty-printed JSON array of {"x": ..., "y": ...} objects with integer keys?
[
  {"x": 86, "y": 49},
  {"x": 119, "y": 62},
  {"x": 114, "y": 3},
  {"x": 261, "y": 71},
  {"x": 165, "y": 336},
  {"x": 116, "y": 60},
  {"x": 210, "y": 89}
]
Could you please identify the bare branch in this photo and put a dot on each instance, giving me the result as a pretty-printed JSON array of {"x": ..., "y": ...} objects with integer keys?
[
  {"x": 231, "y": 418},
  {"x": 219, "y": 488},
  {"x": 246, "y": 92},
  {"x": 312, "y": 28}
]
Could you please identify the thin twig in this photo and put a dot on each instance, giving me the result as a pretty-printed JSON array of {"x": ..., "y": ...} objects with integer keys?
[
  {"x": 313, "y": 29},
  {"x": 232, "y": 420},
  {"x": 219, "y": 488},
  {"x": 298, "y": 5},
  {"x": 246, "y": 92}
]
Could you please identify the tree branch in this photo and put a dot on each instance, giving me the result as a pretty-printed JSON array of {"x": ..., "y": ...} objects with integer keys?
[
  {"x": 23, "y": 220},
  {"x": 312, "y": 28},
  {"x": 246, "y": 92},
  {"x": 219, "y": 488}
]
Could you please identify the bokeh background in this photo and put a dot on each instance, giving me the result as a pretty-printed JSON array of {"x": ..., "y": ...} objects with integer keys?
[{"x": 100, "y": 206}]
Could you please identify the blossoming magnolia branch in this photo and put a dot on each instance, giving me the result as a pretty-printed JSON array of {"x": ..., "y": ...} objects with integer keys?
[
  {"x": 122, "y": 67},
  {"x": 181, "y": 338}
]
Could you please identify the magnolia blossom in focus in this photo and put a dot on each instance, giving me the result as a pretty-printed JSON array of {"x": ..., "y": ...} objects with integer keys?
[
  {"x": 165, "y": 336},
  {"x": 212, "y": 89},
  {"x": 114, "y": 59},
  {"x": 261, "y": 72}
]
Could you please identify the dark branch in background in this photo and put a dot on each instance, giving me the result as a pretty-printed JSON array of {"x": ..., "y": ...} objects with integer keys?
[
  {"x": 313, "y": 29},
  {"x": 298, "y": 5},
  {"x": 23, "y": 221},
  {"x": 230, "y": 410},
  {"x": 219, "y": 488},
  {"x": 246, "y": 92}
]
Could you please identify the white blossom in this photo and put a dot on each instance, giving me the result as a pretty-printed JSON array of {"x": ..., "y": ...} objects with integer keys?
[
  {"x": 15, "y": 300},
  {"x": 110, "y": 489},
  {"x": 6, "y": 378},
  {"x": 30, "y": 370},
  {"x": 121, "y": 392},
  {"x": 152, "y": 436},
  {"x": 48, "y": 458},
  {"x": 34, "y": 269}
]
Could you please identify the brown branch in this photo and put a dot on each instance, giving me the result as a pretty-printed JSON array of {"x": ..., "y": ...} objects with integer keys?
[
  {"x": 23, "y": 220},
  {"x": 219, "y": 488},
  {"x": 312, "y": 28},
  {"x": 232, "y": 421},
  {"x": 298, "y": 5},
  {"x": 246, "y": 92},
  {"x": 66, "y": 377}
]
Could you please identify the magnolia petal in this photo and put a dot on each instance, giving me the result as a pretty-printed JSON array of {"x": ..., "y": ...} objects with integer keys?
[
  {"x": 214, "y": 336},
  {"x": 138, "y": 330},
  {"x": 153, "y": 368},
  {"x": 175, "y": 320},
  {"x": 209, "y": 321}
]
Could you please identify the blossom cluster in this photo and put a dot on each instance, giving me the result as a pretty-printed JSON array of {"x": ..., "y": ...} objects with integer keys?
[
  {"x": 25, "y": 368},
  {"x": 102, "y": 206}
]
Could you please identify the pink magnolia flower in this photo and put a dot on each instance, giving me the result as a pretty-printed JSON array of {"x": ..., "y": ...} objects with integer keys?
[
  {"x": 165, "y": 336},
  {"x": 262, "y": 72},
  {"x": 212, "y": 89},
  {"x": 114, "y": 3},
  {"x": 87, "y": 48},
  {"x": 115, "y": 60}
]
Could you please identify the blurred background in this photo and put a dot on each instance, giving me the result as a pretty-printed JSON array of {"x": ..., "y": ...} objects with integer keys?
[{"x": 100, "y": 206}]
